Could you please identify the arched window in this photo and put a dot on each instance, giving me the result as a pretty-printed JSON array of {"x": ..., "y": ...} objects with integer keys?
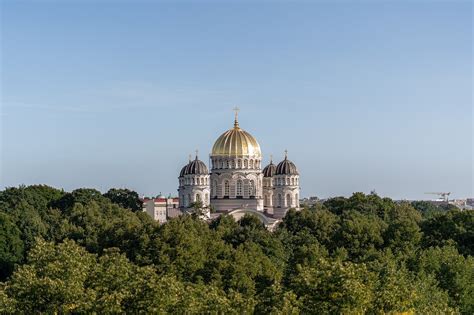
[
  {"x": 266, "y": 200},
  {"x": 251, "y": 188},
  {"x": 239, "y": 187},
  {"x": 279, "y": 200},
  {"x": 251, "y": 163},
  {"x": 297, "y": 200},
  {"x": 245, "y": 163},
  {"x": 239, "y": 163},
  {"x": 288, "y": 200},
  {"x": 226, "y": 188},
  {"x": 198, "y": 197},
  {"x": 227, "y": 164}
]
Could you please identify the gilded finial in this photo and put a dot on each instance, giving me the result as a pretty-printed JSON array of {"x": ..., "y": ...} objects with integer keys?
[{"x": 236, "y": 121}]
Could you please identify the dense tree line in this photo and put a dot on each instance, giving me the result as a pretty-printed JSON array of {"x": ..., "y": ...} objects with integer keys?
[{"x": 86, "y": 252}]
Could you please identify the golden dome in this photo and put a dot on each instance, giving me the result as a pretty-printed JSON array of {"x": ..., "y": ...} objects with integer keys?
[{"x": 236, "y": 142}]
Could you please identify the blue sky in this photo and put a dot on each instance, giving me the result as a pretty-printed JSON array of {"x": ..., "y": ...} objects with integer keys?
[{"x": 364, "y": 94}]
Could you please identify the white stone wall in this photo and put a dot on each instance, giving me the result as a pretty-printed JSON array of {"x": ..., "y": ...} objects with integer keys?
[
  {"x": 236, "y": 182},
  {"x": 286, "y": 194},
  {"x": 268, "y": 194},
  {"x": 193, "y": 188},
  {"x": 156, "y": 210}
]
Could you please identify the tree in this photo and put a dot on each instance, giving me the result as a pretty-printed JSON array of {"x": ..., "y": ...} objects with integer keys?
[
  {"x": 457, "y": 226},
  {"x": 52, "y": 280},
  {"x": 454, "y": 273},
  {"x": 334, "y": 287},
  {"x": 125, "y": 198},
  {"x": 40, "y": 197},
  {"x": 11, "y": 245},
  {"x": 83, "y": 196},
  {"x": 29, "y": 222},
  {"x": 360, "y": 234}
]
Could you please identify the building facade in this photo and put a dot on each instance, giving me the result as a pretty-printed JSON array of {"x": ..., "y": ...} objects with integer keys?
[
  {"x": 236, "y": 181},
  {"x": 161, "y": 208}
]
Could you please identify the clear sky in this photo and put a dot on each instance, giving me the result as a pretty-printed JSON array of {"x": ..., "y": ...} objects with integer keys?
[{"x": 364, "y": 94}]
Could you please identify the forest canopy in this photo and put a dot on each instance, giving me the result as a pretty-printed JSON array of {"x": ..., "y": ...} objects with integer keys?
[{"x": 85, "y": 252}]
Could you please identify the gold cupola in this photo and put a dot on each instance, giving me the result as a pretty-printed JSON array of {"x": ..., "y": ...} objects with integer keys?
[{"x": 236, "y": 142}]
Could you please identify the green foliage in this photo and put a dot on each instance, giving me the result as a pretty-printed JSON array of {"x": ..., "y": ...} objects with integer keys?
[
  {"x": 39, "y": 197},
  {"x": 88, "y": 253},
  {"x": 334, "y": 287},
  {"x": 360, "y": 234},
  {"x": 11, "y": 245},
  {"x": 125, "y": 198},
  {"x": 444, "y": 228},
  {"x": 454, "y": 273}
]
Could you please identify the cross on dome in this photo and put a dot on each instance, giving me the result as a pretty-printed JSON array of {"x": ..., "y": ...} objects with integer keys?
[{"x": 236, "y": 121}]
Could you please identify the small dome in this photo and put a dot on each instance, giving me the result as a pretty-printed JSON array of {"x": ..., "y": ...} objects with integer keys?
[
  {"x": 286, "y": 167},
  {"x": 196, "y": 167},
  {"x": 269, "y": 170},
  {"x": 236, "y": 142},
  {"x": 183, "y": 170}
]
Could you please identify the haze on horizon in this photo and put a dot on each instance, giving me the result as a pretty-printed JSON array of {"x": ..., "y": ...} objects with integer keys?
[{"x": 364, "y": 95}]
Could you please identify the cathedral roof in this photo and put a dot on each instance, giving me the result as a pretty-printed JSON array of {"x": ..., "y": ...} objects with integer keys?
[
  {"x": 194, "y": 167},
  {"x": 286, "y": 167},
  {"x": 236, "y": 142},
  {"x": 183, "y": 170},
  {"x": 269, "y": 170}
]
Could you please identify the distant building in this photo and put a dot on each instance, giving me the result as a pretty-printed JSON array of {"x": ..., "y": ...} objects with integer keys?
[
  {"x": 161, "y": 208},
  {"x": 470, "y": 202}
]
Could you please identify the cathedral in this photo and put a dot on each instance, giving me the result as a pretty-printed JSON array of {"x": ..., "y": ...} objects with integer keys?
[{"x": 237, "y": 184}]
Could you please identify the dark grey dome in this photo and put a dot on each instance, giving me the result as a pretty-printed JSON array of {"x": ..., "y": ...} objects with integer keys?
[
  {"x": 286, "y": 167},
  {"x": 196, "y": 167},
  {"x": 269, "y": 170},
  {"x": 183, "y": 170}
]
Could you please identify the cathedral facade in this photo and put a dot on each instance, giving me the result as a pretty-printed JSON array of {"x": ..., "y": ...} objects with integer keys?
[{"x": 236, "y": 182}]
